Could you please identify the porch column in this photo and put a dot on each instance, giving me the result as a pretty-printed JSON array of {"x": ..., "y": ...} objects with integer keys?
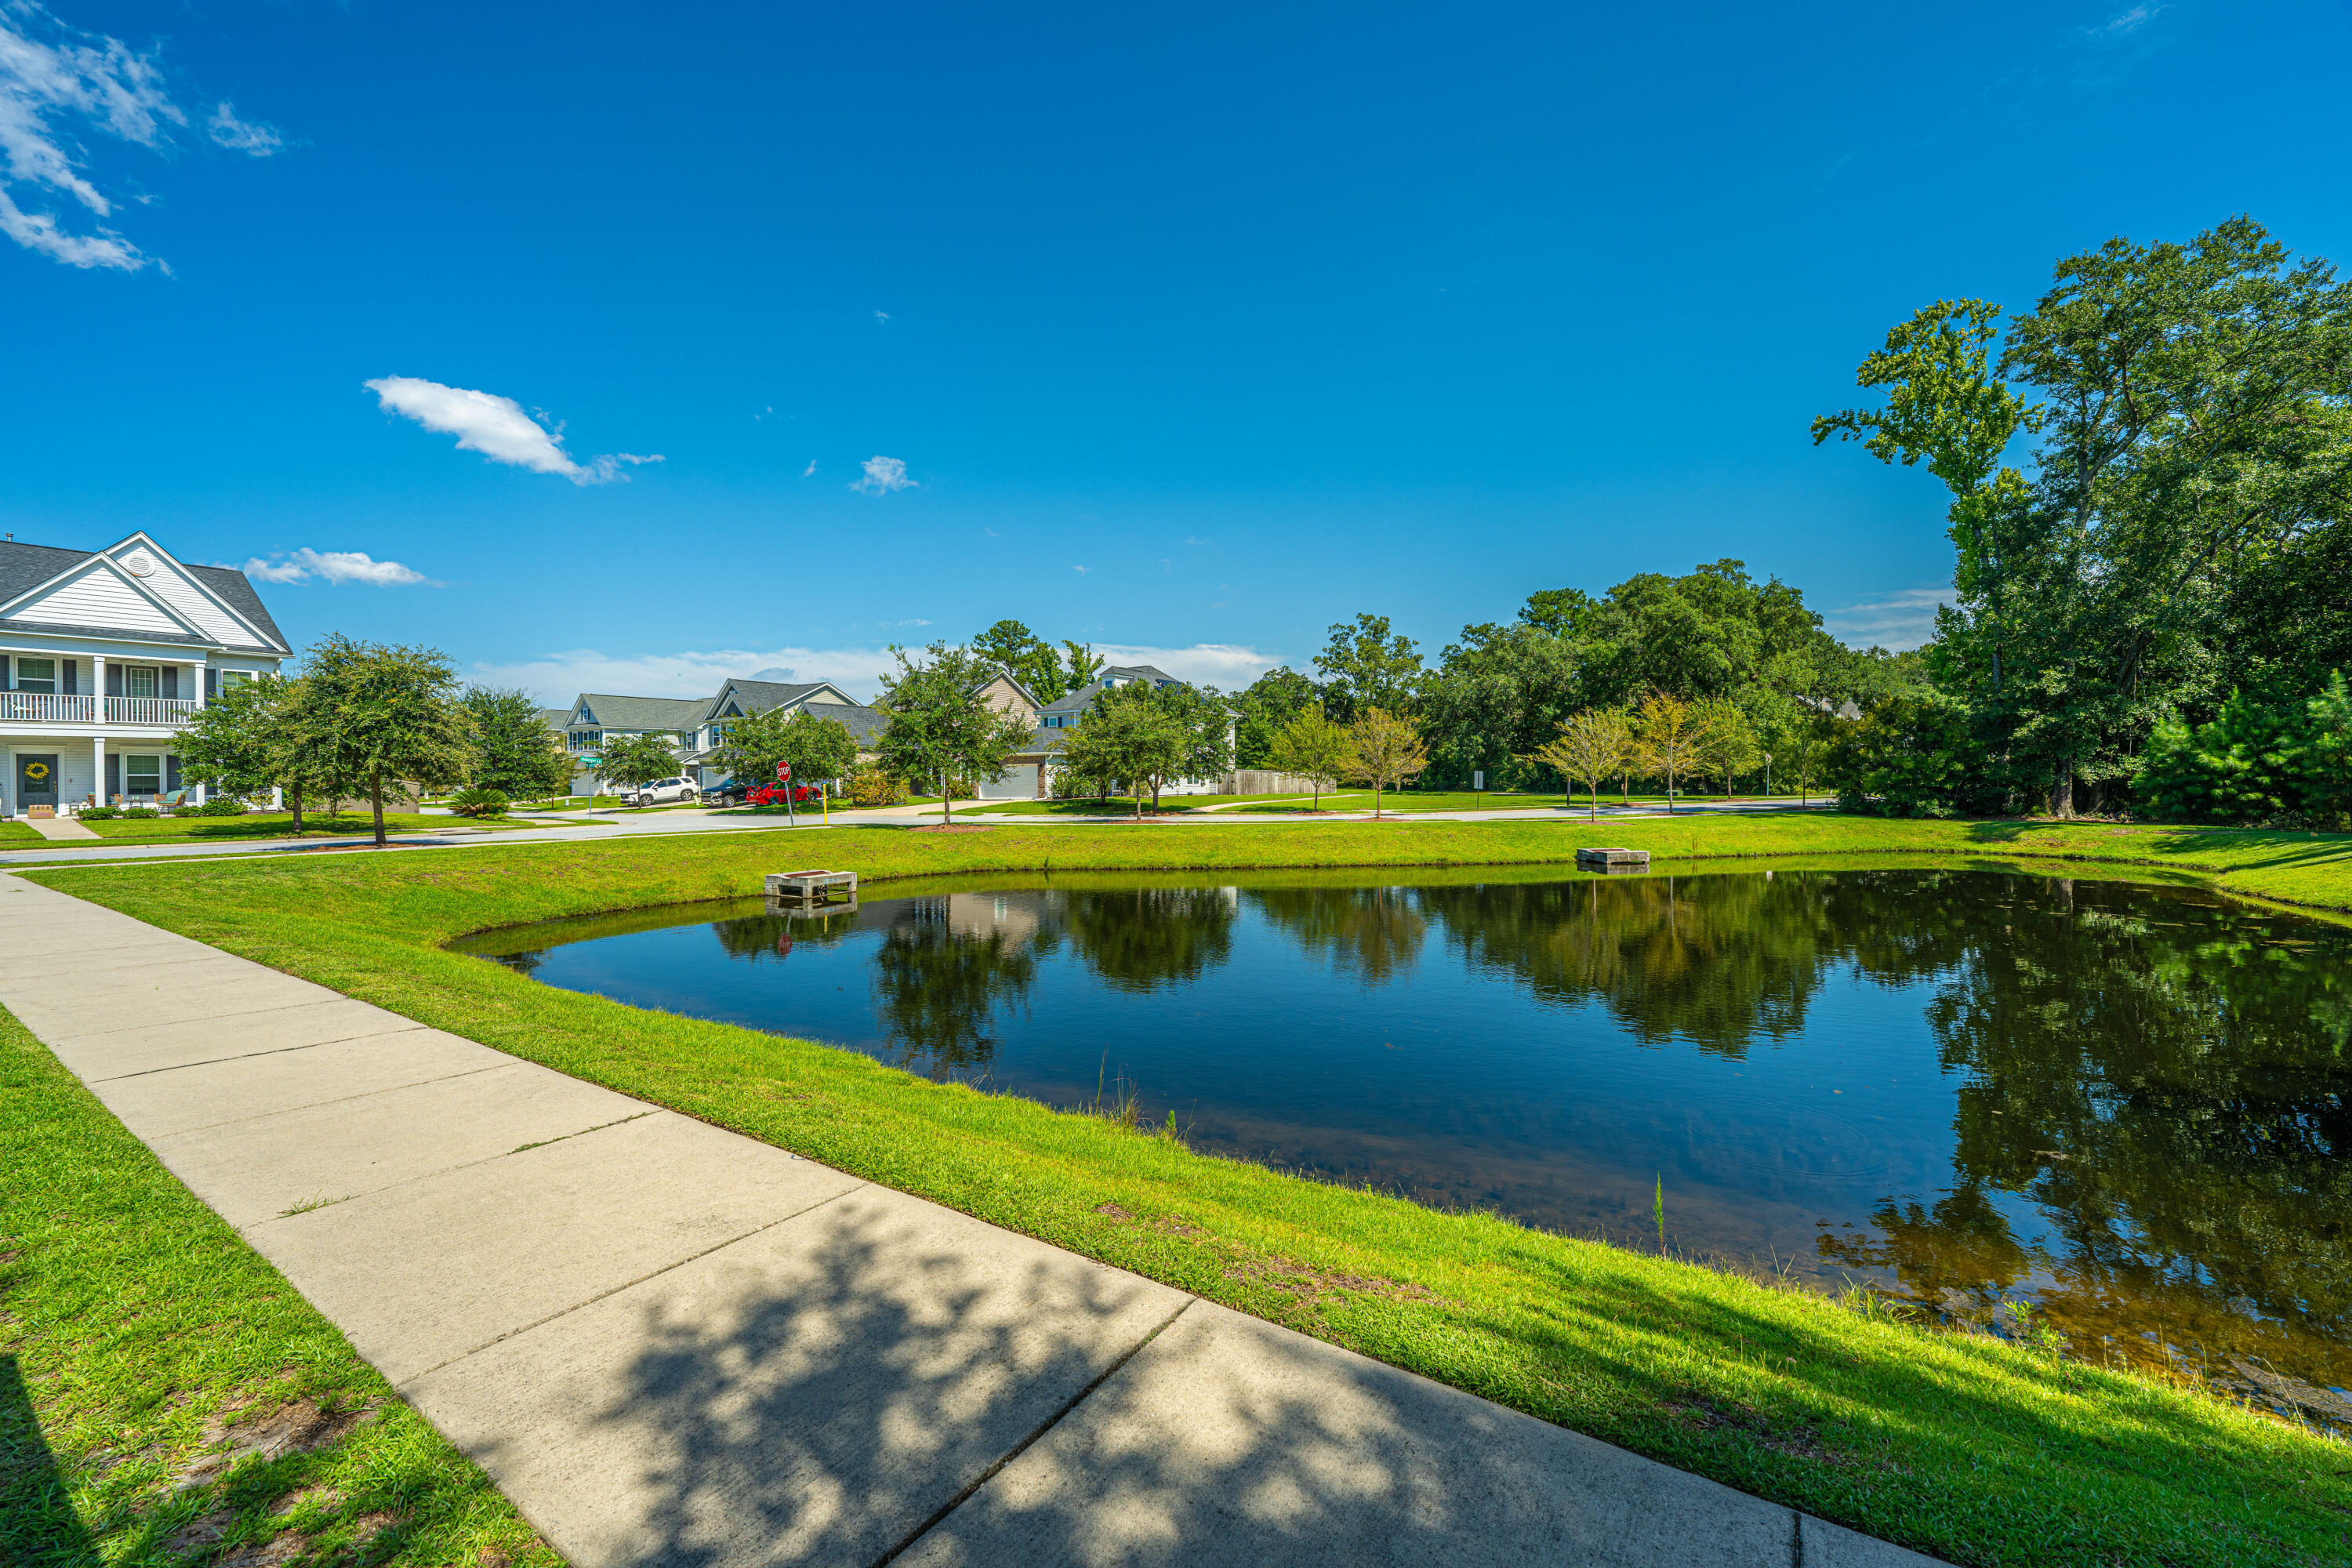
[
  {"x": 196, "y": 672},
  {"x": 97, "y": 772},
  {"x": 98, "y": 691}
]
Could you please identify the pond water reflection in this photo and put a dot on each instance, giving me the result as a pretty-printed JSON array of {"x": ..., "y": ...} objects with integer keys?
[{"x": 2127, "y": 1103}]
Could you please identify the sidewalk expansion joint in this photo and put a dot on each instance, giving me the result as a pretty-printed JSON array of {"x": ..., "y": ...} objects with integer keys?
[
  {"x": 410, "y": 1027},
  {"x": 627, "y": 1284},
  {"x": 323, "y": 996},
  {"x": 462, "y": 1164},
  {"x": 1024, "y": 1446},
  {"x": 543, "y": 1143},
  {"x": 338, "y": 1099}
]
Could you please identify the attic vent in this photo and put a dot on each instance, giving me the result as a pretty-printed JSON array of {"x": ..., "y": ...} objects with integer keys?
[{"x": 139, "y": 564}]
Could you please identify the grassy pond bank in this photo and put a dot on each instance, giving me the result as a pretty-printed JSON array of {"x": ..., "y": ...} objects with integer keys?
[{"x": 1976, "y": 1448}]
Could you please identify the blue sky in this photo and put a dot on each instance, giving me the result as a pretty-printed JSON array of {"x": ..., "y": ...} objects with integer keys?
[{"x": 1186, "y": 332}]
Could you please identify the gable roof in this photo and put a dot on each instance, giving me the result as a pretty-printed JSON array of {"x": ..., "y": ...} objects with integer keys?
[
  {"x": 608, "y": 711},
  {"x": 866, "y": 724},
  {"x": 27, "y": 568},
  {"x": 1014, "y": 681},
  {"x": 555, "y": 718},
  {"x": 758, "y": 695},
  {"x": 1081, "y": 700}
]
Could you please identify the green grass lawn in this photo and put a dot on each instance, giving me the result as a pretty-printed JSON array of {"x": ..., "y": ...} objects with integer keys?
[
  {"x": 19, "y": 835},
  {"x": 138, "y": 1332},
  {"x": 280, "y": 825},
  {"x": 1446, "y": 800},
  {"x": 1244, "y": 805},
  {"x": 1973, "y": 1449}
]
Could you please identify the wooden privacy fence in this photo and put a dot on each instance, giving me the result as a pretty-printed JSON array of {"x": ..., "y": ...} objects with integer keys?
[{"x": 1264, "y": 781}]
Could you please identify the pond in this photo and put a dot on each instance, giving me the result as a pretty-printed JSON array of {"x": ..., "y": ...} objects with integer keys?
[{"x": 2125, "y": 1104}]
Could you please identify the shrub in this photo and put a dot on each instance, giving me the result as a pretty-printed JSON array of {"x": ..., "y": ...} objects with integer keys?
[
  {"x": 478, "y": 801},
  {"x": 225, "y": 806},
  {"x": 1914, "y": 755},
  {"x": 140, "y": 814},
  {"x": 2259, "y": 760},
  {"x": 872, "y": 786},
  {"x": 102, "y": 813}
]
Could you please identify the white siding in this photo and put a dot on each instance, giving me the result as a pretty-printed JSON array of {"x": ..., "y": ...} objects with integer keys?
[
  {"x": 98, "y": 599},
  {"x": 184, "y": 596}
]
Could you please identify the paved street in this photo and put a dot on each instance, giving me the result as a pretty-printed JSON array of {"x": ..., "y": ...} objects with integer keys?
[
  {"x": 657, "y": 823},
  {"x": 671, "y": 1345}
]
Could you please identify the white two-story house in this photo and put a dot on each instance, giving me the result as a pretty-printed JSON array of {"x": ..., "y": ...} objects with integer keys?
[{"x": 103, "y": 654}]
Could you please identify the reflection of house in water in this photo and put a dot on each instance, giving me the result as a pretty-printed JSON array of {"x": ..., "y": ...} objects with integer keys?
[{"x": 1015, "y": 917}]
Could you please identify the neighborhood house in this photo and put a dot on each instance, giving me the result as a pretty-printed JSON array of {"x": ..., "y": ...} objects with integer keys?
[
  {"x": 103, "y": 654},
  {"x": 696, "y": 727}
]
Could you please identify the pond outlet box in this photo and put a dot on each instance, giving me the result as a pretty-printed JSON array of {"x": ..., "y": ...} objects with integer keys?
[
  {"x": 1612, "y": 859},
  {"x": 813, "y": 887}
]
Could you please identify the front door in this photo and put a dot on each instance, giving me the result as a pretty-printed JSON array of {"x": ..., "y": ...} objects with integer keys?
[{"x": 36, "y": 781}]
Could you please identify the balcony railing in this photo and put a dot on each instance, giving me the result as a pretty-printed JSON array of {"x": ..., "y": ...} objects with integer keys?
[
  {"x": 149, "y": 709},
  {"x": 48, "y": 708}
]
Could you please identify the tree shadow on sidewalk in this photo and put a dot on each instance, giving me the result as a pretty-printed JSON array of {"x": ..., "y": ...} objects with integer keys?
[{"x": 839, "y": 1389}]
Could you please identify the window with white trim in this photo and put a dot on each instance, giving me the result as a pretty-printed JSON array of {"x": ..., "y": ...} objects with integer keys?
[
  {"x": 36, "y": 675},
  {"x": 143, "y": 775}
]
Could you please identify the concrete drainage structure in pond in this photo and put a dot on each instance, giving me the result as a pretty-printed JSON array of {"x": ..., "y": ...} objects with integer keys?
[{"x": 1607, "y": 861}]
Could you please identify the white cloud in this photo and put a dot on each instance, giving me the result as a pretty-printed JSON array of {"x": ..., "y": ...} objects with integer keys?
[
  {"x": 1229, "y": 666},
  {"x": 557, "y": 678},
  {"x": 810, "y": 469},
  {"x": 243, "y": 135},
  {"x": 334, "y": 566},
  {"x": 1079, "y": 570},
  {"x": 882, "y": 317},
  {"x": 496, "y": 427},
  {"x": 883, "y": 475},
  {"x": 2127, "y": 22},
  {"x": 100, "y": 81},
  {"x": 1899, "y": 620}
]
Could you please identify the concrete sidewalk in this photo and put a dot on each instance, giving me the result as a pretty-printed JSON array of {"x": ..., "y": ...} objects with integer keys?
[{"x": 670, "y": 1344}]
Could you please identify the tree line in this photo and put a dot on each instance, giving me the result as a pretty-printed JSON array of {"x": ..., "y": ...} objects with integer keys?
[{"x": 2148, "y": 611}]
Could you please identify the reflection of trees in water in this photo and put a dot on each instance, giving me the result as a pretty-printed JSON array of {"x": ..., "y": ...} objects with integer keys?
[
  {"x": 759, "y": 936},
  {"x": 1141, "y": 939},
  {"x": 1374, "y": 934},
  {"x": 1715, "y": 959},
  {"x": 939, "y": 984},
  {"x": 2168, "y": 1083},
  {"x": 2161, "y": 1077}
]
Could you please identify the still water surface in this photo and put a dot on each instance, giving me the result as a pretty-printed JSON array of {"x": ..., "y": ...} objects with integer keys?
[{"x": 2126, "y": 1104}]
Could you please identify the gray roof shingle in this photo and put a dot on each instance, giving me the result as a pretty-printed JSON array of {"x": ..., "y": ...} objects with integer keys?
[
  {"x": 1081, "y": 700},
  {"x": 610, "y": 711},
  {"x": 24, "y": 567}
]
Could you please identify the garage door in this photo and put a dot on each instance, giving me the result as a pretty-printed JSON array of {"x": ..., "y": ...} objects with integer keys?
[{"x": 1019, "y": 783}]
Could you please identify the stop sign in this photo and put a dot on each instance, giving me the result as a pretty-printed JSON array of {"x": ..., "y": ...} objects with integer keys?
[{"x": 783, "y": 773}]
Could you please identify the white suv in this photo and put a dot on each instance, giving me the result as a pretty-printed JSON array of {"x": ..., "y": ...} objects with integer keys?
[{"x": 663, "y": 792}]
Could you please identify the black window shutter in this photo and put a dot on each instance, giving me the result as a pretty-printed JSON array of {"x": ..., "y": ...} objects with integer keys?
[
  {"x": 68, "y": 672},
  {"x": 170, "y": 773},
  {"x": 170, "y": 685},
  {"x": 113, "y": 776},
  {"x": 212, "y": 683},
  {"x": 114, "y": 680}
]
